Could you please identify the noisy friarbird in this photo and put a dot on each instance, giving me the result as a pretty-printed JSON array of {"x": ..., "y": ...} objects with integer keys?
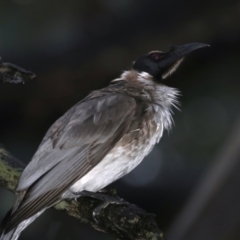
[{"x": 100, "y": 139}]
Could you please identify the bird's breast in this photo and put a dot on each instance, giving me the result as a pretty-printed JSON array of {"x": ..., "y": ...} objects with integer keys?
[{"x": 123, "y": 158}]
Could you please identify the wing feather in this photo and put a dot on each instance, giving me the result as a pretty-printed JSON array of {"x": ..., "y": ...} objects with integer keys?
[{"x": 82, "y": 138}]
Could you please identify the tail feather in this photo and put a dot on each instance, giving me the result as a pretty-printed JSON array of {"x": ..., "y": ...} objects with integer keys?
[
  {"x": 11, "y": 235},
  {"x": 14, "y": 233}
]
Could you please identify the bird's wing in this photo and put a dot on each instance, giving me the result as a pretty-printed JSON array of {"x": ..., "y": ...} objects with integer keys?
[{"x": 88, "y": 132}]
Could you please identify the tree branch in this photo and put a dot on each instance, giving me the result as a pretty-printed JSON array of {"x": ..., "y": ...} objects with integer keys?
[
  {"x": 123, "y": 221},
  {"x": 11, "y": 73}
]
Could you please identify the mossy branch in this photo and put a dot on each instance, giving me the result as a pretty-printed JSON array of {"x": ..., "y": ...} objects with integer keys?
[
  {"x": 123, "y": 221},
  {"x": 11, "y": 73}
]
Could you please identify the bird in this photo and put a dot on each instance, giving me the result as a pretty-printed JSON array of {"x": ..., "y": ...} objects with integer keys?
[{"x": 101, "y": 138}]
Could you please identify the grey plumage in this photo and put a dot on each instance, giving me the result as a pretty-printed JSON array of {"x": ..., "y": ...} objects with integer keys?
[{"x": 97, "y": 141}]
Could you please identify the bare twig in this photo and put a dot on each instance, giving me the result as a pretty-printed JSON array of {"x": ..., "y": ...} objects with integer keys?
[
  {"x": 11, "y": 73},
  {"x": 123, "y": 221}
]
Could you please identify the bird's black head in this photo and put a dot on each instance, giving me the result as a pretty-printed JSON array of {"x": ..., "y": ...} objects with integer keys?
[{"x": 161, "y": 64}]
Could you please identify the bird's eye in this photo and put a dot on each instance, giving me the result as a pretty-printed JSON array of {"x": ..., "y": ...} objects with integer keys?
[{"x": 156, "y": 57}]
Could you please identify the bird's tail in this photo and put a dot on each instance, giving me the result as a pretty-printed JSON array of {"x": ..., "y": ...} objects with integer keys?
[
  {"x": 11, "y": 235},
  {"x": 14, "y": 233}
]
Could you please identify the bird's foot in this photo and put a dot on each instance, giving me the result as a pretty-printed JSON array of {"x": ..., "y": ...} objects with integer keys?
[
  {"x": 73, "y": 195},
  {"x": 106, "y": 200}
]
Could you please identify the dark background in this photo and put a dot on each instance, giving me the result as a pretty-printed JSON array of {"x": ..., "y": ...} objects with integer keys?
[{"x": 77, "y": 46}]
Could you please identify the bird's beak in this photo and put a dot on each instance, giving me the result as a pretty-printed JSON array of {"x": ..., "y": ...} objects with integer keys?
[{"x": 178, "y": 52}]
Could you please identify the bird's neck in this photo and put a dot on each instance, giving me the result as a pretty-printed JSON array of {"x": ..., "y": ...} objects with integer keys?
[{"x": 158, "y": 97}]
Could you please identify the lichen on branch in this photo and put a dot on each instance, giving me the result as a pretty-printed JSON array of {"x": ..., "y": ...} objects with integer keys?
[
  {"x": 11, "y": 73},
  {"x": 125, "y": 221}
]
